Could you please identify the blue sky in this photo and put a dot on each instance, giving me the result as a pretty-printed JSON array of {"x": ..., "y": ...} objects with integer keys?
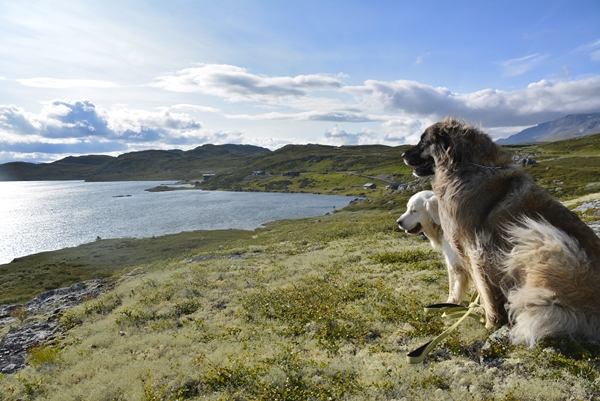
[{"x": 109, "y": 77}]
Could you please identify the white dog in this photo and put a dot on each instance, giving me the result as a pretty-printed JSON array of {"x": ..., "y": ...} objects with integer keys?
[{"x": 422, "y": 216}]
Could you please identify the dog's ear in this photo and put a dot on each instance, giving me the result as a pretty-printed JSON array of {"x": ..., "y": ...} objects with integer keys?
[
  {"x": 441, "y": 136},
  {"x": 431, "y": 206}
]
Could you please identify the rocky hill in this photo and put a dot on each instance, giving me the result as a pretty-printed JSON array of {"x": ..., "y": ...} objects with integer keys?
[{"x": 571, "y": 126}]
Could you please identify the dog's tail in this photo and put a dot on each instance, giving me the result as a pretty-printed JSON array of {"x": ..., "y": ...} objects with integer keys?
[{"x": 552, "y": 290}]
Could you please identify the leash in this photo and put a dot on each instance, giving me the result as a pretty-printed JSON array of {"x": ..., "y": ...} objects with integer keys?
[{"x": 450, "y": 311}]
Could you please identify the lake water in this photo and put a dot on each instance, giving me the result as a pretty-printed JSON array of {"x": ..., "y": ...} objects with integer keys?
[{"x": 49, "y": 215}]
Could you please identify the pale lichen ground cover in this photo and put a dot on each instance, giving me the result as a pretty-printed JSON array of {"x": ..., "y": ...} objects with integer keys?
[{"x": 307, "y": 310}]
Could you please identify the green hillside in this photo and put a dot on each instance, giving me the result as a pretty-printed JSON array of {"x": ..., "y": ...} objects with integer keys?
[
  {"x": 565, "y": 168},
  {"x": 317, "y": 168},
  {"x": 176, "y": 164}
]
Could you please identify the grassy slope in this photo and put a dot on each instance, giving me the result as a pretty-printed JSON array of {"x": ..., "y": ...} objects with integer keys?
[
  {"x": 567, "y": 168},
  {"x": 26, "y": 277},
  {"x": 308, "y": 309},
  {"x": 564, "y": 169}
]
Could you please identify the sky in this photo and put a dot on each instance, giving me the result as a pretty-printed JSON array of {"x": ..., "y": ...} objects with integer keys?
[{"x": 109, "y": 77}]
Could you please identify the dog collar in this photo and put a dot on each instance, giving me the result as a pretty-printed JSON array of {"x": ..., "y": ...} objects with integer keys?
[{"x": 488, "y": 167}]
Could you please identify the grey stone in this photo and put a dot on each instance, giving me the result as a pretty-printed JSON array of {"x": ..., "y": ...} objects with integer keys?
[
  {"x": 585, "y": 206},
  {"x": 498, "y": 338},
  {"x": 14, "y": 346},
  {"x": 48, "y": 306},
  {"x": 55, "y": 301}
]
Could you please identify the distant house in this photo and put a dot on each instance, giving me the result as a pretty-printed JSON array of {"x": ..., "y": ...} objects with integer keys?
[
  {"x": 393, "y": 186},
  {"x": 369, "y": 185},
  {"x": 258, "y": 172},
  {"x": 207, "y": 176}
]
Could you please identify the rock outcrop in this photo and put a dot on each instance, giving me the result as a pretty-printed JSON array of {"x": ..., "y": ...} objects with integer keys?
[
  {"x": 14, "y": 346},
  {"x": 591, "y": 208},
  {"x": 40, "y": 320},
  {"x": 55, "y": 301}
]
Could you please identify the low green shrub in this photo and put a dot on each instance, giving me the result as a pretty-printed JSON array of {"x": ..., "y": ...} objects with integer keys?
[
  {"x": 319, "y": 307},
  {"x": 409, "y": 256},
  {"x": 43, "y": 354}
]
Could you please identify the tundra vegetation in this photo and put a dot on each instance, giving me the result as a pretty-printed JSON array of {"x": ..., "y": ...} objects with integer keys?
[{"x": 322, "y": 308}]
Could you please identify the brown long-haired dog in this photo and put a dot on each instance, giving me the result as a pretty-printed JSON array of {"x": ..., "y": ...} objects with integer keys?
[{"x": 534, "y": 263}]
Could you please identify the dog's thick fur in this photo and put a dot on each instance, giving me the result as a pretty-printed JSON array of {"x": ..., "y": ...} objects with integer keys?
[
  {"x": 534, "y": 263},
  {"x": 422, "y": 216}
]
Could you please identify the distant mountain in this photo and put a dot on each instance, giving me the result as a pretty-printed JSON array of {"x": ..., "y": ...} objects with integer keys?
[
  {"x": 69, "y": 168},
  {"x": 571, "y": 126},
  {"x": 144, "y": 165},
  {"x": 230, "y": 150}
]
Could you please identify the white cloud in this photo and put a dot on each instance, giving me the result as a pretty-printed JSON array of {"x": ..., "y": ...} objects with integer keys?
[
  {"x": 193, "y": 107},
  {"x": 65, "y": 127},
  {"x": 592, "y": 49},
  {"x": 140, "y": 123},
  {"x": 402, "y": 108},
  {"x": 505, "y": 132},
  {"x": 421, "y": 57},
  {"x": 273, "y": 143},
  {"x": 66, "y": 83},
  {"x": 411, "y": 100},
  {"x": 237, "y": 84},
  {"x": 535, "y": 35},
  {"x": 595, "y": 51},
  {"x": 538, "y": 102},
  {"x": 13, "y": 118},
  {"x": 409, "y": 97},
  {"x": 314, "y": 115},
  {"x": 83, "y": 120},
  {"x": 519, "y": 66},
  {"x": 202, "y": 136},
  {"x": 41, "y": 149},
  {"x": 402, "y": 131},
  {"x": 223, "y": 137},
  {"x": 337, "y": 137}
]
